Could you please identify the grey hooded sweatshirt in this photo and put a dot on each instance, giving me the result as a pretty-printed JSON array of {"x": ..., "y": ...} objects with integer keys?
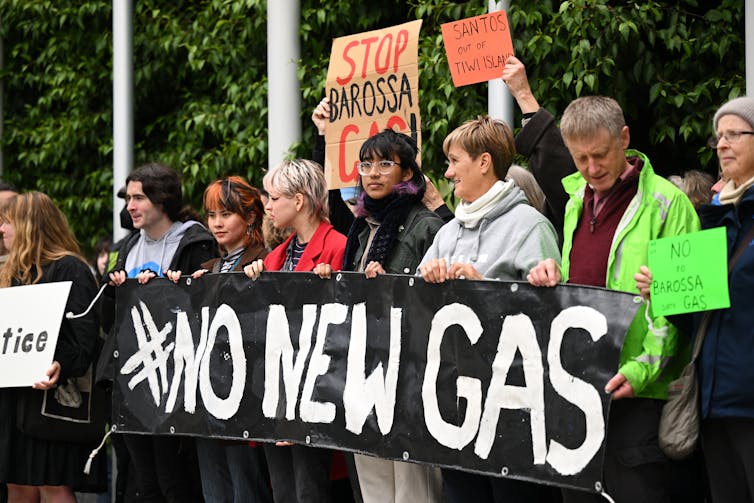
[{"x": 505, "y": 244}]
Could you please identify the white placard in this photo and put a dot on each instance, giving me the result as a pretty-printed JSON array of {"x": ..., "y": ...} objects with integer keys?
[{"x": 30, "y": 318}]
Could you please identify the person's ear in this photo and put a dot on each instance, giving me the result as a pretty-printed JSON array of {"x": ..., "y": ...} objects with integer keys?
[
  {"x": 299, "y": 201},
  {"x": 625, "y": 137},
  {"x": 485, "y": 162}
]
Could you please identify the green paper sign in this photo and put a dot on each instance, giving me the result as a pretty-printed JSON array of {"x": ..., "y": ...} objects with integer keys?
[{"x": 689, "y": 272}]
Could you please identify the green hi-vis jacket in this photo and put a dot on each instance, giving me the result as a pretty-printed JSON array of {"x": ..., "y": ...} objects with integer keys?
[{"x": 650, "y": 359}]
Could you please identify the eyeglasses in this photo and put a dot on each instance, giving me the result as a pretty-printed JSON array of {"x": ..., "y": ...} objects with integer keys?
[
  {"x": 730, "y": 137},
  {"x": 384, "y": 167}
]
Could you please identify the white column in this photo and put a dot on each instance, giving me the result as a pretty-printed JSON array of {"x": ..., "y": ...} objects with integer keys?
[
  {"x": 499, "y": 100},
  {"x": 284, "y": 92},
  {"x": 749, "y": 38},
  {"x": 123, "y": 124}
]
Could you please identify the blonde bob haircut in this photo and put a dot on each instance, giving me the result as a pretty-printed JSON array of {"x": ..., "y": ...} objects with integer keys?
[
  {"x": 585, "y": 117},
  {"x": 485, "y": 134},
  {"x": 42, "y": 236},
  {"x": 300, "y": 176}
]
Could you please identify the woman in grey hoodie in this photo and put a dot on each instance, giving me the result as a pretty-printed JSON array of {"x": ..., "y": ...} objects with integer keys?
[{"x": 495, "y": 234}]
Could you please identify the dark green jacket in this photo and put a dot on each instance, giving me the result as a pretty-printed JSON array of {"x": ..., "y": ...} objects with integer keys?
[{"x": 415, "y": 237}]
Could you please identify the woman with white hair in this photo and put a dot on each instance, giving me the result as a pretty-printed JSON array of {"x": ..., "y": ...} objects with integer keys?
[{"x": 725, "y": 366}]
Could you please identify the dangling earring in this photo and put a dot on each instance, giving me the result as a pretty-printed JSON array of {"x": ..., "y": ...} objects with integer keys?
[{"x": 249, "y": 229}]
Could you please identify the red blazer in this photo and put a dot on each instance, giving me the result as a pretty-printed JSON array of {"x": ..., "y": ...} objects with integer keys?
[{"x": 326, "y": 246}]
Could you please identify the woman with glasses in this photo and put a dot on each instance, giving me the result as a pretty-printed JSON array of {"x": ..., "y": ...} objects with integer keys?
[
  {"x": 391, "y": 233},
  {"x": 496, "y": 234},
  {"x": 298, "y": 199},
  {"x": 725, "y": 365}
]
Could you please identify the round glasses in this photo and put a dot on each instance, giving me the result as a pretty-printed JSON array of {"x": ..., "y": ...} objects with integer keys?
[{"x": 384, "y": 167}]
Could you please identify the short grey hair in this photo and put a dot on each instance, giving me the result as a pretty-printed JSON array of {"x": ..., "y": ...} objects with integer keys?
[
  {"x": 585, "y": 116},
  {"x": 300, "y": 176}
]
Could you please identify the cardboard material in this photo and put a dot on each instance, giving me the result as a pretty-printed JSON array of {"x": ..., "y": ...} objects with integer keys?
[
  {"x": 372, "y": 84},
  {"x": 477, "y": 47}
]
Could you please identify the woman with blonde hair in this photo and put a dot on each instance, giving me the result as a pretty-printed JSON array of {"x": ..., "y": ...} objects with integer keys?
[
  {"x": 44, "y": 250},
  {"x": 298, "y": 199}
]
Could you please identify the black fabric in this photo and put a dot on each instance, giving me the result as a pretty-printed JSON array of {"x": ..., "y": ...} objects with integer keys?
[
  {"x": 26, "y": 460},
  {"x": 635, "y": 469},
  {"x": 30, "y": 461},
  {"x": 165, "y": 468},
  {"x": 375, "y": 305},
  {"x": 461, "y": 487},
  {"x": 299, "y": 474},
  {"x": 728, "y": 445},
  {"x": 391, "y": 211},
  {"x": 549, "y": 161}
]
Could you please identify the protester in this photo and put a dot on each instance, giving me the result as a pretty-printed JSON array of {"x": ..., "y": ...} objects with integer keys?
[
  {"x": 391, "y": 233},
  {"x": 231, "y": 471},
  {"x": 495, "y": 234},
  {"x": 697, "y": 185},
  {"x": 100, "y": 257},
  {"x": 7, "y": 191},
  {"x": 616, "y": 206},
  {"x": 169, "y": 237},
  {"x": 340, "y": 214},
  {"x": 525, "y": 181},
  {"x": 726, "y": 363},
  {"x": 273, "y": 236},
  {"x": 298, "y": 199},
  {"x": 42, "y": 249}
]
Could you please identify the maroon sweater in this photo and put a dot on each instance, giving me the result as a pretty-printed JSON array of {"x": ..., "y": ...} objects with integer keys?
[{"x": 594, "y": 234}]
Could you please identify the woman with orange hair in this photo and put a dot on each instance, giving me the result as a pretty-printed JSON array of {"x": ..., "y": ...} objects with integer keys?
[
  {"x": 43, "y": 249},
  {"x": 231, "y": 472}
]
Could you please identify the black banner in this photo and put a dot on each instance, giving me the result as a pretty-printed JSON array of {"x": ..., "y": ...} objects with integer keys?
[{"x": 493, "y": 377}]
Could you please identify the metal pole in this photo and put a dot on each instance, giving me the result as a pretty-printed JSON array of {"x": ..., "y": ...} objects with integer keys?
[
  {"x": 499, "y": 99},
  {"x": 284, "y": 93},
  {"x": 123, "y": 124}
]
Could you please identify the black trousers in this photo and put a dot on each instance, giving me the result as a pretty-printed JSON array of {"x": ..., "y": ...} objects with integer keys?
[
  {"x": 461, "y": 487},
  {"x": 635, "y": 469},
  {"x": 299, "y": 474},
  {"x": 728, "y": 445},
  {"x": 165, "y": 468}
]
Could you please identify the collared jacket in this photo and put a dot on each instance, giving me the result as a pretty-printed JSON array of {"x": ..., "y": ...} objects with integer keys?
[
  {"x": 726, "y": 363},
  {"x": 414, "y": 237},
  {"x": 650, "y": 358},
  {"x": 249, "y": 255},
  {"x": 325, "y": 247}
]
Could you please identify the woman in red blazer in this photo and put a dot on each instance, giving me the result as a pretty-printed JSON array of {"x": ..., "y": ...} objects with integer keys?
[{"x": 298, "y": 199}]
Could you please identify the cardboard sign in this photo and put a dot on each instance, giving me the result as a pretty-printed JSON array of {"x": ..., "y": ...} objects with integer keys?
[
  {"x": 477, "y": 47},
  {"x": 689, "y": 272},
  {"x": 472, "y": 375},
  {"x": 30, "y": 317},
  {"x": 373, "y": 84}
]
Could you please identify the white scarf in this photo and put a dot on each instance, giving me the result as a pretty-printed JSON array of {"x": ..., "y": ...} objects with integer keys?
[
  {"x": 732, "y": 194},
  {"x": 471, "y": 213}
]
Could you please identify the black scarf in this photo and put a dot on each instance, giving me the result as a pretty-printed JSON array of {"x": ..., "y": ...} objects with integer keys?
[{"x": 391, "y": 212}]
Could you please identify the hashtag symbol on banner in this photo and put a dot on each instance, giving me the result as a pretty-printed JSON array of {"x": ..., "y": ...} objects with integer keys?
[{"x": 152, "y": 356}]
